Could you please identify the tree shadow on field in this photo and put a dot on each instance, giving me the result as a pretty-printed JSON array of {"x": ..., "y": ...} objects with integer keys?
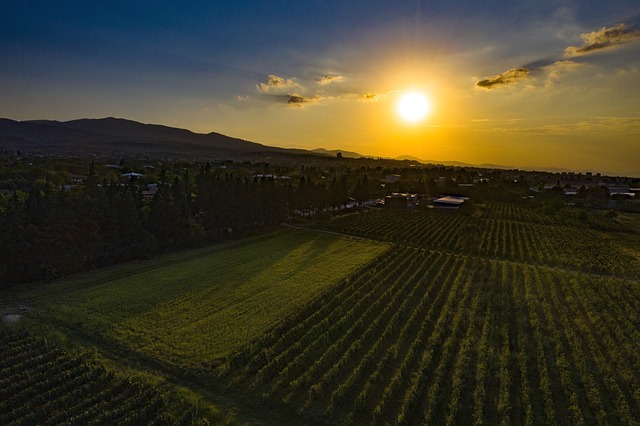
[{"x": 319, "y": 246}]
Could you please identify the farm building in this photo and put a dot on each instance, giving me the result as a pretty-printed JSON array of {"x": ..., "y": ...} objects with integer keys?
[
  {"x": 131, "y": 175},
  {"x": 400, "y": 201},
  {"x": 449, "y": 202},
  {"x": 621, "y": 193}
]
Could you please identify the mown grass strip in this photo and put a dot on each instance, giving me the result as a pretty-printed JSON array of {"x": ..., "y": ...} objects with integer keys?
[{"x": 202, "y": 305}]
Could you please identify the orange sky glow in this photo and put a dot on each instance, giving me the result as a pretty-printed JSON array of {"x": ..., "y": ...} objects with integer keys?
[{"x": 537, "y": 86}]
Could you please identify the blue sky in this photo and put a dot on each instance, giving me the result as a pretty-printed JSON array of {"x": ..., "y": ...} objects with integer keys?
[{"x": 309, "y": 74}]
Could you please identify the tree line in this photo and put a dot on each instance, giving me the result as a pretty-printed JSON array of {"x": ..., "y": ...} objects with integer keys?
[{"x": 48, "y": 232}]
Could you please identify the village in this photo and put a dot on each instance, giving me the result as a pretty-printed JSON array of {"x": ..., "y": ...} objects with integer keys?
[{"x": 348, "y": 183}]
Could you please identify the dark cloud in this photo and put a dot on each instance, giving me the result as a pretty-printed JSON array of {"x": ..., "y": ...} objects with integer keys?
[
  {"x": 301, "y": 100},
  {"x": 507, "y": 77},
  {"x": 602, "y": 39}
]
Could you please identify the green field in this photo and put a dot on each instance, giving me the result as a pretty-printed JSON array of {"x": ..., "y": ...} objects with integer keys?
[{"x": 199, "y": 306}]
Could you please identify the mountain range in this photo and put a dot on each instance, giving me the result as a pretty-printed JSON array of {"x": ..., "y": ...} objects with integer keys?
[{"x": 118, "y": 136}]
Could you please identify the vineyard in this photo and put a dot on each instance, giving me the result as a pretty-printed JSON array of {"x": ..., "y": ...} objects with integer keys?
[
  {"x": 505, "y": 231},
  {"x": 40, "y": 384},
  {"x": 424, "y": 337},
  {"x": 505, "y": 316}
]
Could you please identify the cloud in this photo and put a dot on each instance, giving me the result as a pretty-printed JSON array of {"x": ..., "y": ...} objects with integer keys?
[
  {"x": 277, "y": 83},
  {"x": 506, "y": 78},
  {"x": 327, "y": 79},
  {"x": 557, "y": 69},
  {"x": 597, "y": 40},
  {"x": 302, "y": 100},
  {"x": 620, "y": 124},
  {"x": 371, "y": 96},
  {"x": 282, "y": 90},
  {"x": 594, "y": 124},
  {"x": 603, "y": 39}
]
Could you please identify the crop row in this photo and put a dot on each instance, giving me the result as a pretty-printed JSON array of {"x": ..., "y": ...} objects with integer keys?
[
  {"x": 431, "y": 338},
  {"x": 40, "y": 384},
  {"x": 516, "y": 213},
  {"x": 570, "y": 247},
  {"x": 524, "y": 212}
]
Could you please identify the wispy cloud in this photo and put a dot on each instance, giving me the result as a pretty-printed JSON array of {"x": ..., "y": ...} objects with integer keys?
[
  {"x": 329, "y": 78},
  {"x": 608, "y": 124},
  {"x": 290, "y": 92},
  {"x": 594, "y": 41},
  {"x": 277, "y": 83},
  {"x": 611, "y": 123},
  {"x": 555, "y": 70}
]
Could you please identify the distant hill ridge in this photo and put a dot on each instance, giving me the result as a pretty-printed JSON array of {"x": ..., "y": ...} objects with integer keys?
[
  {"x": 121, "y": 136},
  {"x": 117, "y": 134}
]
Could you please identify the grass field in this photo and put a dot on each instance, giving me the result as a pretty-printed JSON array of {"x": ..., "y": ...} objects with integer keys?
[{"x": 198, "y": 306}]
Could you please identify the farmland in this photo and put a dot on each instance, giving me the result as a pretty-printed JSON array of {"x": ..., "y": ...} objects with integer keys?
[
  {"x": 507, "y": 231},
  {"x": 41, "y": 384},
  {"x": 198, "y": 306},
  {"x": 449, "y": 339},
  {"x": 505, "y": 316}
]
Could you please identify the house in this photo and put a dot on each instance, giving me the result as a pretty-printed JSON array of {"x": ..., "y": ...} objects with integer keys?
[
  {"x": 397, "y": 200},
  {"x": 77, "y": 178},
  {"x": 148, "y": 195}
]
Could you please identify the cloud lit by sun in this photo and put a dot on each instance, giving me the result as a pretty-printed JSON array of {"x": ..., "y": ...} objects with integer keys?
[{"x": 413, "y": 107}]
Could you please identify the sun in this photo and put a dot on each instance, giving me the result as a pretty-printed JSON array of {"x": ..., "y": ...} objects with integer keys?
[{"x": 413, "y": 107}]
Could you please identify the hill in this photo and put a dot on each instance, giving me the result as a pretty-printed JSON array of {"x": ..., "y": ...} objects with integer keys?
[
  {"x": 334, "y": 152},
  {"x": 116, "y": 135}
]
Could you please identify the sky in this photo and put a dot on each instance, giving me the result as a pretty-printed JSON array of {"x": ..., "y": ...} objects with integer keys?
[{"x": 544, "y": 84}]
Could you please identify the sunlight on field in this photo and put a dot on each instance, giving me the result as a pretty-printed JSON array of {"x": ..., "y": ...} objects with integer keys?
[{"x": 202, "y": 307}]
